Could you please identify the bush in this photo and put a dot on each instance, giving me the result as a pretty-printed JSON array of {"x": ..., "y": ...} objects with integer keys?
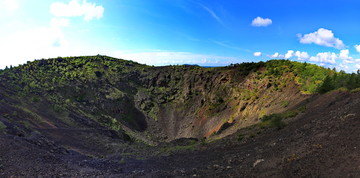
[
  {"x": 285, "y": 104},
  {"x": 355, "y": 90},
  {"x": 2, "y": 126},
  {"x": 273, "y": 121},
  {"x": 276, "y": 120}
]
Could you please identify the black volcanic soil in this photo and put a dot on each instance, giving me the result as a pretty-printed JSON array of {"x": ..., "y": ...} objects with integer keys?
[{"x": 322, "y": 142}]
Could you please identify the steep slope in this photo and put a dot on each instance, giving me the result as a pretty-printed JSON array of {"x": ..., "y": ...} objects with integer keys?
[
  {"x": 321, "y": 142},
  {"x": 98, "y": 115},
  {"x": 150, "y": 103}
]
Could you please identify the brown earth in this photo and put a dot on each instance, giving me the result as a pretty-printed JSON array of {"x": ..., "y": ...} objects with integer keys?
[{"x": 321, "y": 142}]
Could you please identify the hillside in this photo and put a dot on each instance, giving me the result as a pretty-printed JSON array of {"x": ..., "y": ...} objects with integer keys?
[{"x": 97, "y": 115}]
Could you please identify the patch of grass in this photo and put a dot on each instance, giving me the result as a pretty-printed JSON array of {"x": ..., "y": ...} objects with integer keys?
[
  {"x": 57, "y": 108},
  {"x": 273, "y": 121},
  {"x": 240, "y": 137},
  {"x": 292, "y": 157},
  {"x": 342, "y": 89},
  {"x": 318, "y": 146},
  {"x": 355, "y": 90},
  {"x": 285, "y": 104},
  {"x": 154, "y": 112},
  {"x": 35, "y": 99},
  {"x": 262, "y": 113},
  {"x": 140, "y": 158},
  {"x": 115, "y": 94},
  {"x": 344, "y": 117},
  {"x": 25, "y": 123},
  {"x": 122, "y": 161},
  {"x": 2, "y": 126},
  {"x": 276, "y": 120}
]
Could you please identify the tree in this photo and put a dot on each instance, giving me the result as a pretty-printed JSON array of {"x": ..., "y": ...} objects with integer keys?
[{"x": 326, "y": 86}]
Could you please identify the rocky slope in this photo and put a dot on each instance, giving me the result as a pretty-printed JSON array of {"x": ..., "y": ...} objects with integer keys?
[
  {"x": 151, "y": 103},
  {"x": 99, "y": 115}
]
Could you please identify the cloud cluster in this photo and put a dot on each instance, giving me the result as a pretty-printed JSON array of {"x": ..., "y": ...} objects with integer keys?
[
  {"x": 342, "y": 60},
  {"x": 257, "y": 54},
  {"x": 76, "y": 9},
  {"x": 302, "y": 55},
  {"x": 357, "y": 47},
  {"x": 289, "y": 54},
  {"x": 59, "y": 22},
  {"x": 276, "y": 55},
  {"x": 10, "y": 5},
  {"x": 8, "y": 8},
  {"x": 48, "y": 40},
  {"x": 325, "y": 58},
  {"x": 322, "y": 37},
  {"x": 261, "y": 22},
  {"x": 170, "y": 57}
]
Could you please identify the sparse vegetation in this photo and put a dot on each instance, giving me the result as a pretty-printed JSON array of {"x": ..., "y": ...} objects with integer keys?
[
  {"x": 355, "y": 90},
  {"x": 285, "y": 103},
  {"x": 95, "y": 86},
  {"x": 273, "y": 121},
  {"x": 124, "y": 109},
  {"x": 2, "y": 126},
  {"x": 168, "y": 150},
  {"x": 276, "y": 120},
  {"x": 240, "y": 137}
]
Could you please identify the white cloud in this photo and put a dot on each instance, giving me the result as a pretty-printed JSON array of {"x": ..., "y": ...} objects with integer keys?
[
  {"x": 170, "y": 57},
  {"x": 10, "y": 5},
  {"x": 325, "y": 57},
  {"x": 302, "y": 55},
  {"x": 322, "y": 37},
  {"x": 76, "y": 9},
  {"x": 8, "y": 8},
  {"x": 276, "y": 55},
  {"x": 59, "y": 22},
  {"x": 344, "y": 55},
  {"x": 357, "y": 66},
  {"x": 42, "y": 42},
  {"x": 357, "y": 47},
  {"x": 342, "y": 60},
  {"x": 289, "y": 54},
  {"x": 261, "y": 22},
  {"x": 343, "y": 67},
  {"x": 29, "y": 44},
  {"x": 213, "y": 14},
  {"x": 257, "y": 54}
]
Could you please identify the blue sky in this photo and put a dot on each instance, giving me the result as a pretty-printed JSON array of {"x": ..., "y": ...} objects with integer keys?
[{"x": 162, "y": 32}]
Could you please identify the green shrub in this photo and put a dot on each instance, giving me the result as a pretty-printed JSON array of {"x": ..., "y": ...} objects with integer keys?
[
  {"x": 2, "y": 126},
  {"x": 240, "y": 137},
  {"x": 272, "y": 121},
  {"x": 285, "y": 104},
  {"x": 342, "y": 89},
  {"x": 115, "y": 94},
  {"x": 35, "y": 99},
  {"x": 355, "y": 90},
  {"x": 276, "y": 120}
]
